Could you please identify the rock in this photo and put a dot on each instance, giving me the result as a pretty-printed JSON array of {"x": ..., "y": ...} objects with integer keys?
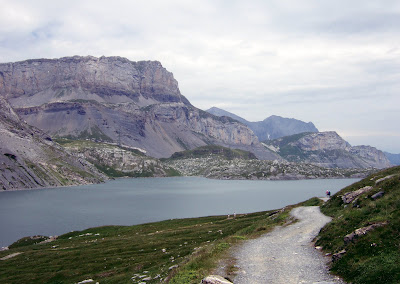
[
  {"x": 86, "y": 281},
  {"x": 173, "y": 267},
  {"x": 215, "y": 279},
  {"x": 362, "y": 231},
  {"x": 351, "y": 196},
  {"x": 384, "y": 178},
  {"x": 378, "y": 195},
  {"x": 339, "y": 255}
]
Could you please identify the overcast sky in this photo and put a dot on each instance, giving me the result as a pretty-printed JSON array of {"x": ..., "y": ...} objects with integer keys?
[{"x": 335, "y": 63}]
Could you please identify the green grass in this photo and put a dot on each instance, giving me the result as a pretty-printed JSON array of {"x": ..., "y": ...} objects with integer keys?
[
  {"x": 115, "y": 254},
  {"x": 375, "y": 256}
]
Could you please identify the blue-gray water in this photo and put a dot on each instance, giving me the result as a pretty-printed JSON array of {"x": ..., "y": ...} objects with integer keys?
[{"x": 135, "y": 201}]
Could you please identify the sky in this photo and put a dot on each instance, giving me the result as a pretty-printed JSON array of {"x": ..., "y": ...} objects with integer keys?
[{"x": 334, "y": 63}]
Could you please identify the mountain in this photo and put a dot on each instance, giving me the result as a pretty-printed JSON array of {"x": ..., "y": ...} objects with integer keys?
[
  {"x": 29, "y": 158},
  {"x": 112, "y": 99},
  {"x": 327, "y": 149},
  {"x": 393, "y": 158},
  {"x": 272, "y": 127}
]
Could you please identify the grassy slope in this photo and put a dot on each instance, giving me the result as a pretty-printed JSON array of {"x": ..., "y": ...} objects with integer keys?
[
  {"x": 375, "y": 256},
  {"x": 117, "y": 253}
]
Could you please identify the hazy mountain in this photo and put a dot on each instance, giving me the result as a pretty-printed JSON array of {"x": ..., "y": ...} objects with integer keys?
[
  {"x": 29, "y": 158},
  {"x": 112, "y": 99},
  {"x": 327, "y": 149},
  {"x": 272, "y": 127},
  {"x": 393, "y": 158}
]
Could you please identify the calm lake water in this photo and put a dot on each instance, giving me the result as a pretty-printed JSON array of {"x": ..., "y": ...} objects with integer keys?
[{"x": 135, "y": 201}]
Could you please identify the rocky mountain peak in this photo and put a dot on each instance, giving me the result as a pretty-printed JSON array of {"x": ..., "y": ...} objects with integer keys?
[{"x": 329, "y": 140}]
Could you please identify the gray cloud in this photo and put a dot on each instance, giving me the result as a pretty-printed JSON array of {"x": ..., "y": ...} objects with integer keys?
[{"x": 335, "y": 63}]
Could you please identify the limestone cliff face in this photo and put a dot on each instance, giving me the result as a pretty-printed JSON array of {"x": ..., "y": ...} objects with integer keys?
[
  {"x": 112, "y": 99},
  {"x": 105, "y": 79},
  {"x": 29, "y": 158},
  {"x": 328, "y": 149},
  {"x": 329, "y": 140}
]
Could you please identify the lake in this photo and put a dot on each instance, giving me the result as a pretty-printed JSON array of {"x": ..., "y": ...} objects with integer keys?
[{"x": 54, "y": 211}]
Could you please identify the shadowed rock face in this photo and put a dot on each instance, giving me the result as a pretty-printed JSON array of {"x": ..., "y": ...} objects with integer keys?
[
  {"x": 112, "y": 99},
  {"x": 29, "y": 159}
]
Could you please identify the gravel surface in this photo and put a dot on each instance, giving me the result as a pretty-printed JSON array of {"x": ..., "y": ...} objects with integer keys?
[{"x": 286, "y": 255}]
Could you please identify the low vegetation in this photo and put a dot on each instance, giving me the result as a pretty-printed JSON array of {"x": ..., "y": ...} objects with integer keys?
[
  {"x": 178, "y": 251},
  {"x": 364, "y": 236}
]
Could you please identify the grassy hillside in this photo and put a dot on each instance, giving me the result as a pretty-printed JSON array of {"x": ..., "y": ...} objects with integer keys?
[
  {"x": 183, "y": 251},
  {"x": 372, "y": 253}
]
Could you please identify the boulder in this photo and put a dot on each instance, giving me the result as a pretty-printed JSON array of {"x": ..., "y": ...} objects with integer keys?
[
  {"x": 215, "y": 279},
  {"x": 339, "y": 255},
  {"x": 351, "y": 196},
  {"x": 378, "y": 195},
  {"x": 362, "y": 231}
]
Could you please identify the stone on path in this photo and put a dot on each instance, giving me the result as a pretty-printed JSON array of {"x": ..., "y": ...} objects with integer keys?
[{"x": 215, "y": 279}]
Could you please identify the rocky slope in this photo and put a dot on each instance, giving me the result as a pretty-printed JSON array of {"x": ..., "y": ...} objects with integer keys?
[
  {"x": 118, "y": 161},
  {"x": 272, "y": 127},
  {"x": 113, "y": 99},
  {"x": 30, "y": 159},
  {"x": 327, "y": 149},
  {"x": 223, "y": 165}
]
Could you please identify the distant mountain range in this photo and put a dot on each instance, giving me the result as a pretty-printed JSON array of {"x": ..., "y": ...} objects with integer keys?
[{"x": 272, "y": 127}]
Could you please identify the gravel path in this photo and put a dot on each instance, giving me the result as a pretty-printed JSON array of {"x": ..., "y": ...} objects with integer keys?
[{"x": 286, "y": 255}]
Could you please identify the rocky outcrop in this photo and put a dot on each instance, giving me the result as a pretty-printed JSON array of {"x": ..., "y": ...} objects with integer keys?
[
  {"x": 29, "y": 158},
  {"x": 327, "y": 149},
  {"x": 362, "y": 231},
  {"x": 119, "y": 161},
  {"x": 272, "y": 127},
  {"x": 353, "y": 195},
  {"x": 215, "y": 279},
  {"x": 112, "y": 99}
]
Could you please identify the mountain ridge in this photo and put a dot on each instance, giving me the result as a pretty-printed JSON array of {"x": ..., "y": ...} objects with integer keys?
[
  {"x": 272, "y": 127},
  {"x": 327, "y": 149}
]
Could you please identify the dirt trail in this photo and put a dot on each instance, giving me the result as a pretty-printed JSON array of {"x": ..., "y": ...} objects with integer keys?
[{"x": 286, "y": 255}]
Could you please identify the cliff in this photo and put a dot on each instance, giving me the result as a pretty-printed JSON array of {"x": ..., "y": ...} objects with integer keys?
[
  {"x": 327, "y": 149},
  {"x": 30, "y": 159},
  {"x": 112, "y": 99}
]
